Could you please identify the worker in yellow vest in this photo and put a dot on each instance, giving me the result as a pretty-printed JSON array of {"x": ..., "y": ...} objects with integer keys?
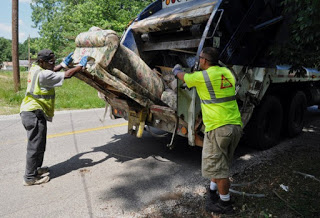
[
  {"x": 38, "y": 107},
  {"x": 215, "y": 86}
]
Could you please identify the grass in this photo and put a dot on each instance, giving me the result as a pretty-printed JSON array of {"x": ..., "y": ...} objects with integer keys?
[{"x": 74, "y": 94}]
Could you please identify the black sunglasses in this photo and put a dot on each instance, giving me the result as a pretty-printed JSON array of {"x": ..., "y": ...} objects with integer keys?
[{"x": 51, "y": 61}]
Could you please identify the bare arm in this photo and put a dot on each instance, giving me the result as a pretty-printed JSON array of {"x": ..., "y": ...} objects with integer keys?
[
  {"x": 181, "y": 76},
  {"x": 70, "y": 73},
  {"x": 57, "y": 68}
]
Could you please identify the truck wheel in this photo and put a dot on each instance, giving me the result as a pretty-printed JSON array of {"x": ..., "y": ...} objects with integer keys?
[
  {"x": 296, "y": 112},
  {"x": 265, "y": 127}
]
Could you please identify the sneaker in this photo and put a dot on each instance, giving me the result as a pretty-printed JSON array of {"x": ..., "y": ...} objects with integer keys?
[
  {"x": 43, "y": 170},
  {"x": 37, "y": 181},
  {"x": 221, "y": 207}
]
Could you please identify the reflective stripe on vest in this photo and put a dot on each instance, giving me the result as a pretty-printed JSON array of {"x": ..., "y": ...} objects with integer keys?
[
  {"x": 213, "y": 98},
  {"x": 34, "y": 79}
]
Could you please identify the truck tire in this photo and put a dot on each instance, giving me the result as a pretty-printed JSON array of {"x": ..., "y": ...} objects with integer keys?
[
  {"x": 296, "y": 112},
  {"x": 265, "y": 127}
]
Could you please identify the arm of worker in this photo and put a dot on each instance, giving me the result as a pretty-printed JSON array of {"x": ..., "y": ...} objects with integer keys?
[
  {"x": 70, "y": 73},
  {"x": 57, "y": 68},
  {"x": 49, "y": 79},
  {"x": 181, "y": 76},
  {"x": 178, "y": 72},
  {"x": 65, "y": 63}
]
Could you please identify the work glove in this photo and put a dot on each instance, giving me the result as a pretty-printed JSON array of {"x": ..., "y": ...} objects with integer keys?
[
  {"x": 83, "y": 61},
  {"x": 177, "y": 69},
  {"x": 65, "y": 63}
]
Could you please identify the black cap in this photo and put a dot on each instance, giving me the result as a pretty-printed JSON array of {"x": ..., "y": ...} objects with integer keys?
[{"x": 45, "y": 55}]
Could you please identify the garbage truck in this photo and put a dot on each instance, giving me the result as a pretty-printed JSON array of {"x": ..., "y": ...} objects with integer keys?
[{"x": 133, "y": 72}]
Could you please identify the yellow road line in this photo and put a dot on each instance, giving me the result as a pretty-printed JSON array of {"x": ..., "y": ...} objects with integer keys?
[{"x": 86, "y": 130}]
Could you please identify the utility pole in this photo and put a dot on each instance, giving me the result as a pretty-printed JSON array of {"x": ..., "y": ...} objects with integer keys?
[
  {"x": 15, "y": 44},
  {"x": 29, "y": 58}
]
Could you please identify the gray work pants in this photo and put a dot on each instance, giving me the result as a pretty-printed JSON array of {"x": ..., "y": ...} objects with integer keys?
[{"x": 36, "y": 125}]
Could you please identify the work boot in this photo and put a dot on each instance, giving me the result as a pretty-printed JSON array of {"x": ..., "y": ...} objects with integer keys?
[
  {"x": 36, "y": 181},
  {"x": 213, "y": 196},
  {"x": 221, "y": 207},
  {"x": 43, "y": 170}
]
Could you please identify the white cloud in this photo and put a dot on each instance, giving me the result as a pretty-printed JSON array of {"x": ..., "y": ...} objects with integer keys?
[
  {"x": 25, "y": 1},
  {"x": 22, "y": 37},
  {"x": 6, "y": 32},
  {"x": 5, "y": 28}
]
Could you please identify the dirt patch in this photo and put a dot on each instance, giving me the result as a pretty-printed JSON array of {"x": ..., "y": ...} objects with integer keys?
[{"x": 302, "y": 195}]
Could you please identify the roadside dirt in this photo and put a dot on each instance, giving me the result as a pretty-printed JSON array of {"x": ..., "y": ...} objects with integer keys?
[{"x": 287, "y": 175}]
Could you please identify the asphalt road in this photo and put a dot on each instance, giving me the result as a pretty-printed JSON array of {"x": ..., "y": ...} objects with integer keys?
[{"x": 97, "y": 169}]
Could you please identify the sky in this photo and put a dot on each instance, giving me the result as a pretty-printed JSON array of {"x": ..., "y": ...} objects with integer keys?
[{"x": 25, "y": 21}]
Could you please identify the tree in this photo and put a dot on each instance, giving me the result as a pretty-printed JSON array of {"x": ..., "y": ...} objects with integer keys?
[
  {"x": 303, "y": 46},
  {"x": 23, "y": 50},
  {"x": 5, "y": 48},
  {"x": 59, "y": 22}
]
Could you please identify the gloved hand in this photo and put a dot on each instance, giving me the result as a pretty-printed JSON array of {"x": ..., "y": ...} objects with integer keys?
[
  {"x": 177, "y": 69},
  {"x": 67, "y": 61},
  {"x": 83, "y": 61}
]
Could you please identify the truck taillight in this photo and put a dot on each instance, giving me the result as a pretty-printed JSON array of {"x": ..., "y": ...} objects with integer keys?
[{"x": 184, "y": 130}]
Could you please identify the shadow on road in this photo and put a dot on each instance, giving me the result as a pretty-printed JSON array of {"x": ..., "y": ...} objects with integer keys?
[
  {"x": 126, "y": 147},
  {"x": 163, "y": 166}
]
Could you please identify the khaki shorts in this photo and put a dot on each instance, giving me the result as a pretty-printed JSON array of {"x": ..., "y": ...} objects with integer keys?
[{"x": 218, "y": 148}]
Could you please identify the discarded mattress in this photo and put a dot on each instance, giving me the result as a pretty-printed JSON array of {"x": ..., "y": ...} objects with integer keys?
[{"x": 118, "y": 66}]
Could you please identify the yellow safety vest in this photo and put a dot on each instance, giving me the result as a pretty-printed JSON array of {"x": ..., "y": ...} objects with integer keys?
[
  {"x": 216, "y": 90},
  {"x": 36, "y": 98},
  {"x": 222, "y": 92}
]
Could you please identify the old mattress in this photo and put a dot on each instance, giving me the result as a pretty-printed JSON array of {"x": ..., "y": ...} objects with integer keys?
[{"x": 118, "y": 66}]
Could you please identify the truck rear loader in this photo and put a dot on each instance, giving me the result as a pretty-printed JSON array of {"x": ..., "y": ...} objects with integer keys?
[{"x": 134, "y": 72}]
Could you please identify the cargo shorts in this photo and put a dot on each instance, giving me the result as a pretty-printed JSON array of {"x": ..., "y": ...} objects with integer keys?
[{"x": 218, "y": 149}]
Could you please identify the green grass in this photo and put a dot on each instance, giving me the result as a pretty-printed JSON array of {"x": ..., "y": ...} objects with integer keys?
[{"x": 74, "y": 94}]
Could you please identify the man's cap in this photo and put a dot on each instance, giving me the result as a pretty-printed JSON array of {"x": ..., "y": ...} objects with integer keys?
[{"x": 45, "y": 55}]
